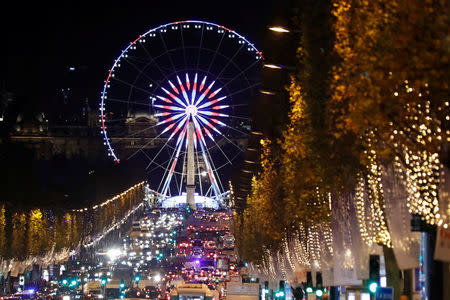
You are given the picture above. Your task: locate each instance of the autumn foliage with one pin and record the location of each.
(371, 87)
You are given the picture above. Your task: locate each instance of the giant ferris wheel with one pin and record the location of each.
(177, 98)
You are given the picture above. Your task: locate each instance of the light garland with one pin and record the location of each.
(301, 248)
(371, 218)
(114, 226)
(287, 253)
(328, 237)
(421, 172)
(361, 212)
(138, 185)
(314, 246)
(282, 265)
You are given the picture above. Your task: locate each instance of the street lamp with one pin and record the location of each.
(279, 29)
(272, 66)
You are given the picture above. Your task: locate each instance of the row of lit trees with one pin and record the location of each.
(370, 91)
(37, 232)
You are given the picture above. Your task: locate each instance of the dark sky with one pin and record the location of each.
(43, 39)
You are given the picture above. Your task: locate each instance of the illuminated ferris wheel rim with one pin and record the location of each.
(124, 53)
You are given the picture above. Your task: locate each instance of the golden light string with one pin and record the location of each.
(110, 200)
(375, 192)
(360, 211)
(287, 252)
(423, 169)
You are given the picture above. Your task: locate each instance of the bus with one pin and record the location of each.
(191, 291)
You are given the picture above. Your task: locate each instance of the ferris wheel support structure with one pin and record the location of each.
(190, 177)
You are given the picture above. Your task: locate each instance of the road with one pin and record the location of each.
(164, 252)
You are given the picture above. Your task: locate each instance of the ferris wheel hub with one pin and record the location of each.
(191, 110)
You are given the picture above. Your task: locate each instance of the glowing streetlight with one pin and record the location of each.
(272, 66)
(278, 29)
(266, 92)
(114, 253)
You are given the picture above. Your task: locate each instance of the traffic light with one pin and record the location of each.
(319, 293)
(103, 281)
(64, 281)
(122, 285)
(280, 294)
(319, 285)
(73, 283)
(309, 284)
(373, 286)
(137, 278)
(374, 273)
(265, 290)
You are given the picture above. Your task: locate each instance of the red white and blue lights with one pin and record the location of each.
(194, 99)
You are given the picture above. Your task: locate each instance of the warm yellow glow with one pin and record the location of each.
(271, 66)
(278, 29)
(112, 199)
(266, 92)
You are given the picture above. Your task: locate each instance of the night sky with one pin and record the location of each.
(43, 40)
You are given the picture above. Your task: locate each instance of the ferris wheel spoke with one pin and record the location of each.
(237, 117)
(213, 168)
(241, 72)
(244, 89)
(114, 120)
(182, 173)
(232, 128)
(215, 52)
(225, 164)
(132, 85)
(158, 166)
(128, 102)
(199, 48)
(229, 161)
(145, 145)
(160, 150)
(208, 124)
(182, 43)
(141, 71)
(172, 168)
(231, 142)
(140, 131)
(176, 181)
(167, 51)
(230, 60)
(153, 60)
(227, 58)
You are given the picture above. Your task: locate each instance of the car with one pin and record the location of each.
(151, 292)
(210, 245)
(196, 251)
(197, 243)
